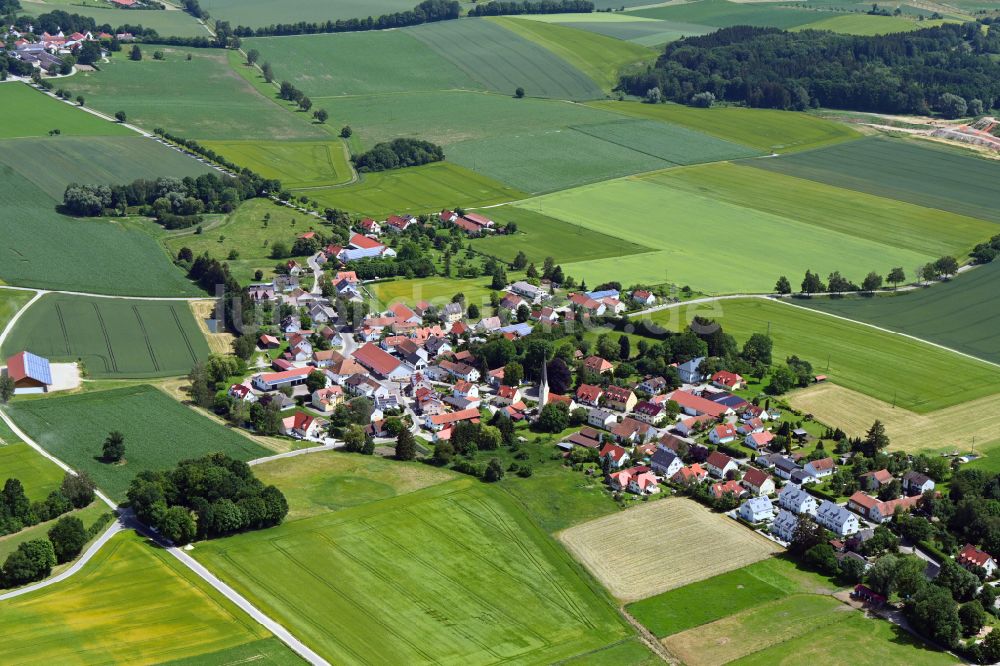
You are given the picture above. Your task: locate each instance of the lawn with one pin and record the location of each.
(921, 173)
(200, 98)
(452, 573)
(962, 314)
(891, 368)
(260, 13)
(53, 163)
(415, 190)
(330, 481)
(294, 163)
(689, 543)
(685, 228)
(98, 256)
(539, 236)
(245, 232)
(867, 24)
(37, 474)
(28, 112)
(598, 56)
(159, 432)
(438, 290)
(888, 222)
(166, 23)
(115, 338)
(131, 603)
(763, 129)
(722, 14)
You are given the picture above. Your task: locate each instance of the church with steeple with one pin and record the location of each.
(543, 387)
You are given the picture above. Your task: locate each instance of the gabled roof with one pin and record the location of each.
(756, 477)
(718, 460)
(698, 404)
(614, 451)
(617, 393)
(376, 360)
(972, 555)
(588, 392)
(364, 243)
(25, 365)
(822, 464)
(455, 417)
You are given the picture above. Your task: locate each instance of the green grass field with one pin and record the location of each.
(201, 98)
(159, 432)
(598, 56)
(263, 652)
(961, 313)
(245, 232)
(630, 652)
(764, 129)
(652, 213)
(721, 14)
(259, 13)
(294, 163)
(434, 289)
(97, 256)
(53, 163)
(414, 190)
(88, 515)
(866, 24)
(12, 300)
(455, 572)
(29, 113)
(114, 337)
(920, 173)
(889, 367)
(132, 603)
(37, 474)
(632, 28)
(166, 23)
(885, 221)
(539, 237)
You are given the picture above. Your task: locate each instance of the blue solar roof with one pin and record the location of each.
(37, 368)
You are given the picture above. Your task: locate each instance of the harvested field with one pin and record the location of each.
(218, 343)
(952, 428)
(685, 540)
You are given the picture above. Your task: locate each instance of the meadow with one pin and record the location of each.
(888, 222)
(889, 367)
(115, 338)
(539, 236)
(925, 174)
(132, 603)
(166, 23)
(245, 232)
(12, 300)
(37, 474)
(53, 163)
(28, 112)
(690, 543)
(866, 24)
(651, 212)
(438, 290)
(130, 262)
(415, 190)
(89, 515)
(625, 27)
(200, 98)
(961, 314)
(764, 129)
(600, 57)
(159, 432)
(417, 579)
(259, 13)
(294, 163)
(722, 13)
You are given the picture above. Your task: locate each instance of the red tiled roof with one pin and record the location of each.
(375, 359)
(699, 404)
(588, 393)
(756, 477)
(972, 555)
(364, 243)
(719, 460)
(454, 417)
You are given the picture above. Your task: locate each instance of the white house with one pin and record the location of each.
(758, 482)
(784, 525)
(722, 434)
(757, 510)
(915, 483)
(793, 498)
(601, 418)
(821, 468)
(690, 372)
(665, 462)
(837, 519)
(719, 464)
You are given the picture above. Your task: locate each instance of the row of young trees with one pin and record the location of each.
(514, 7)
(836, 283)
(912, 72)
(428, 11)
(18, 512)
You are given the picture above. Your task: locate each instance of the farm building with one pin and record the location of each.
(31, 374)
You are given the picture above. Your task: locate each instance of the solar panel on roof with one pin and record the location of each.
(37, 368)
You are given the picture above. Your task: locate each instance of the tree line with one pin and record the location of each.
(836, 283)
(56, 20)
(205, 498)
(397, 154)
(427, 11)
(914, 72)
(513, 7)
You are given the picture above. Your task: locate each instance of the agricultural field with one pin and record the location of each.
(539, 237)
(415, 190)
(722, 14)
(54, 163)
(436, 290)
(888, 367)
(12, 300)
(294, 163)
(925, 174)
(961, 314)
(30, 113)
(130, 262)
(690, 543)
(455, 572)
(764, 129)
(888, 222)
(131, 603)
(259, 13)
(200, 98)
(246, 232)
(159, 432)
(115, 338)
(90, 515)
(166, 23)
(600, 57)
(866, 24)
(37, 474)
(954, 428)
(649, 211)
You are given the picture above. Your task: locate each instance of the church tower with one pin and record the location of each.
(543, 387)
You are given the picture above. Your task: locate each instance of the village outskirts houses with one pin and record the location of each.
(795, 499)
(757, 510)
(837, 519)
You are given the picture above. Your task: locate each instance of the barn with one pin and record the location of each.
(31, 374)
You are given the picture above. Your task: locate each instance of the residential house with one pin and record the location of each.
(971, 557)
(363, 385)
(649, 412)
(643, 297)
(588, 305)
(339, 370)
(727, 380)
(616, 455)
(757, 510)
(370, 227)
(694, 473)
(675, 443)
(507, 395)
(872, 481)
(327, 399)
(722, 434)
(795, 499)
(751, 426)
(601, 418)
(695, 424)
(784, 525)
(666, 462)
(398, 224)
(878, 511)
(783, 467)
(837, 519)
(821, 468)
(588, 394)
(632, 431)
(619, 398)
(750, 412)
(638, 480)
(586, 437)
(723, 488)
(597, 365)
(652, 385)
(512, 302)
(690, 371)
(241, 392)
(261, 293)
(460, 370)
(302, 425)
(439, 422)
(916, 483)
(403, 313)
(758, 482)
(719, 465)
(758, 440)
